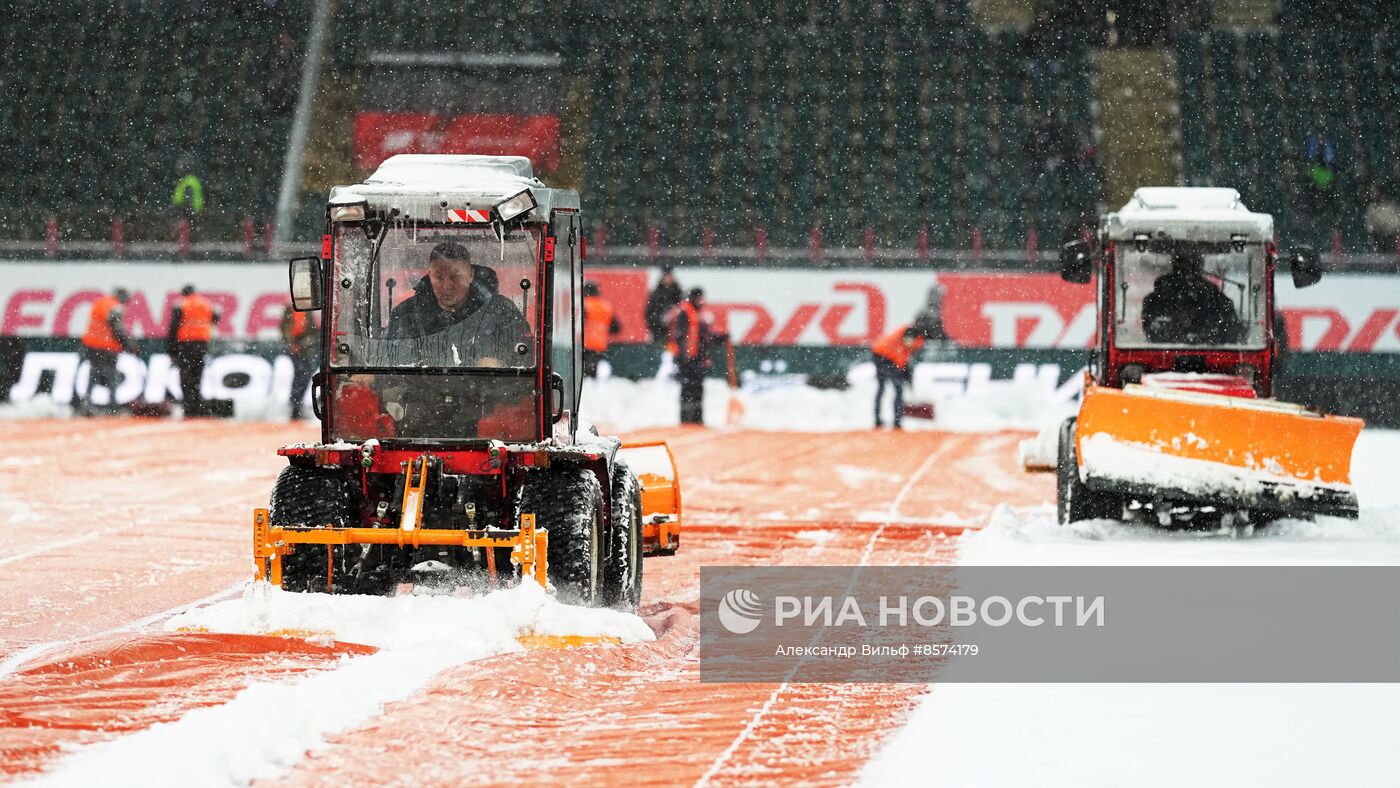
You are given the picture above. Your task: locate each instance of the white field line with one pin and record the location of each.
(757, 718)
(218, 505)
(51, 546)
(22, 657)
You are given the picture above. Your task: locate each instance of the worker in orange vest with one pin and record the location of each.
(299, 335)
(692, 336)
(893, 354)
(191, 327)
(599, 327)
(104, 339)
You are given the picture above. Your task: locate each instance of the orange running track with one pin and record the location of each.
(110, 524)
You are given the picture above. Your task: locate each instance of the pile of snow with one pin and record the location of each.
(788, 403)
(1165, 734)
(1147, 735)
(1043, 451)
(412, 621)
(1033, 537)
(268, 727)
(1105, 457)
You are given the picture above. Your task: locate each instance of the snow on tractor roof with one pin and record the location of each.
(444, 172)
(423, 187)
(1188, 213)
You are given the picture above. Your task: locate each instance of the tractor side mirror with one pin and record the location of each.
(1076, 262)
(306, 279)
(1306, 266)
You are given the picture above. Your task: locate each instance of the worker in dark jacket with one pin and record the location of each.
(894, 354)
(1184, 308)
(692, 336)
(104, 339)
(660, 303)
(192, 324)
(459, 313)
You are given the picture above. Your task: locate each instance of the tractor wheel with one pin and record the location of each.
(309, 496)
(622, 574)
(569, 503)
(1073, 500)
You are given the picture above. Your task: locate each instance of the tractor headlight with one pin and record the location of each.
(348, 211)
(515, 205)
(1131, 373)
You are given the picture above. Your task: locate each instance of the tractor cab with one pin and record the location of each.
(451, 287)
(450, 450)
(1185, 286)
(1177, 419)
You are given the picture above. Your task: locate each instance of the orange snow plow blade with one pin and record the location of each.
(656, 469)
(1216, 449)
(555, 642)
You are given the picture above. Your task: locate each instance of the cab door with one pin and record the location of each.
(566, 329)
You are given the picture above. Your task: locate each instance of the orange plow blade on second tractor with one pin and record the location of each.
(1207, 448)
(656, 469)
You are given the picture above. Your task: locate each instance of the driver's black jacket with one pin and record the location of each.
(1186, 309)
(486, 325)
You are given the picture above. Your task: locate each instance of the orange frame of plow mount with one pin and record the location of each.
(661, 504)
(529, 545)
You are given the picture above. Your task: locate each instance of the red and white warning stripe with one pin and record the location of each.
(473, 217)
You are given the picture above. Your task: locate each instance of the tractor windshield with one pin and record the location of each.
(1190, 294)
(410, 296)
(412, 306)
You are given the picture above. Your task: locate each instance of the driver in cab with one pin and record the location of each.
(1185, 308)
(456, 317)
(461, 302)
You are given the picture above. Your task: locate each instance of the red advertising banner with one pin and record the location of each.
(379, 135)
(1356, 313)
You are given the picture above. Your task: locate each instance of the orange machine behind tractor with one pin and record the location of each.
(451, 451)
(1176, 419)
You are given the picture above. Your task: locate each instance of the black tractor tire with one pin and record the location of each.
(622, 575)
(309, 496)
(568, 502)
(1073, 500)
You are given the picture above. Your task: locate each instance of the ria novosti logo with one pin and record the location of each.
(740, 611)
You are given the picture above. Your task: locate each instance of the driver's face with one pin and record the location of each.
(452, 280)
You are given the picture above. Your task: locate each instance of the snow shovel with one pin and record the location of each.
(734, 416)
(918, 410)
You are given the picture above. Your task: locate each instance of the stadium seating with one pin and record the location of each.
(702, 114)
(1249, 100)
(888, 117)
(849, 127)
(103, 106)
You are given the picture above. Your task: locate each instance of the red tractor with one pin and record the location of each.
(1177, 418)
(451, 450)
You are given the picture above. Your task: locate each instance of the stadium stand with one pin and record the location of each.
(105, 105)
(891, 128)
(1251, 97)
(706, 114)
(702, 119)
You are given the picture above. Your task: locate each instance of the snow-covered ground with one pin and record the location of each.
(768, 402)
(268, 727)
(961, 734)
(780, 403)
(1167, 734)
